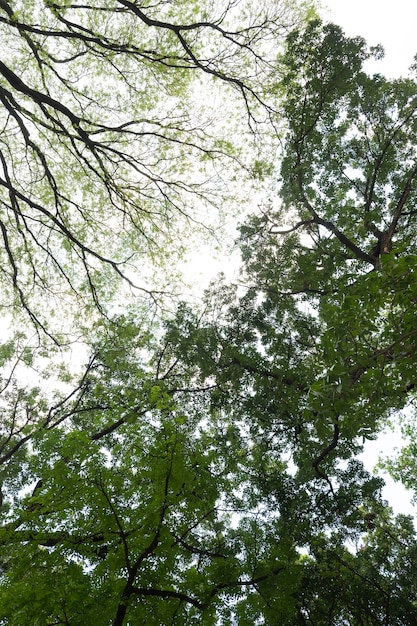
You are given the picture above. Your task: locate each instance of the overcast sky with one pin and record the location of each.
(392, 24)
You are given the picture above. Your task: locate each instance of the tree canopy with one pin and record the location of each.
(202, 467)
(108, 150)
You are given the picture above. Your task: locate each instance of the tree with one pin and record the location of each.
(344, 267)
(204, 471)
(119, 510)
(108, 152)
(312, 353)
(360, 588)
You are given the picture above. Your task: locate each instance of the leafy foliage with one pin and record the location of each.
(203, 470)
(108, 152)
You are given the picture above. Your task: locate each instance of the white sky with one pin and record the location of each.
(394, 25)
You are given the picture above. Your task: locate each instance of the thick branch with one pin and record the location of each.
(167, 593)
(324, 453)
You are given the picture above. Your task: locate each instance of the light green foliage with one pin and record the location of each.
(403, 466)
(111, 158)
